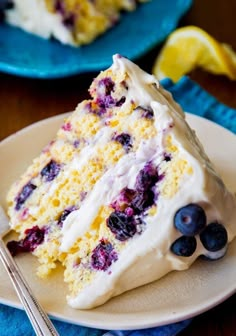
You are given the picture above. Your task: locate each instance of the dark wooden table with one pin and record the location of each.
(24, 101)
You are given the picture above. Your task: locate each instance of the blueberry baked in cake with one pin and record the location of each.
(73, 22)
(123, 194)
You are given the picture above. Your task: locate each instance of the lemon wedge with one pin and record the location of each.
(190, 47)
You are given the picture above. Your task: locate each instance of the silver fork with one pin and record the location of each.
(40, 321)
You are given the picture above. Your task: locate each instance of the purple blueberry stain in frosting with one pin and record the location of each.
(125, 140)
(83, 195)
(24, 214)
(33, 238)
(24, 194)
(103, 255)
(50, 171)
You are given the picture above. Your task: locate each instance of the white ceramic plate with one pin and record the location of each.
(175, 297)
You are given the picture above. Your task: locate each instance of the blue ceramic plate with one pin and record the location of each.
(26, 55)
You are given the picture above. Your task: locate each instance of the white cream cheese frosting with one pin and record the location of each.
(147, 256)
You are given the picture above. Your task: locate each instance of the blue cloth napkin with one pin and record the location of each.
(195, 100)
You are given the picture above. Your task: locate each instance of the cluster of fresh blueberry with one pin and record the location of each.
(33, 238)
(104, 99)
(191, 221)
(125, 221)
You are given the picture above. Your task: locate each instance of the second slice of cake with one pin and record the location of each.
(124, 194)
(73, 22)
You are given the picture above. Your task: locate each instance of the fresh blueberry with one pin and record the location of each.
(214, 237)
(103, 256)
(122, 225)
(215, 255)
(184, 246)
(24, 195)
(50, 171)
(33, 238)
(125, 140)
(190, 220)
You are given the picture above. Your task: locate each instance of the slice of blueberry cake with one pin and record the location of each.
(124, 193)
(73, 22)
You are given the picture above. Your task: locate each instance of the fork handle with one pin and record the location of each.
(40, 321)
